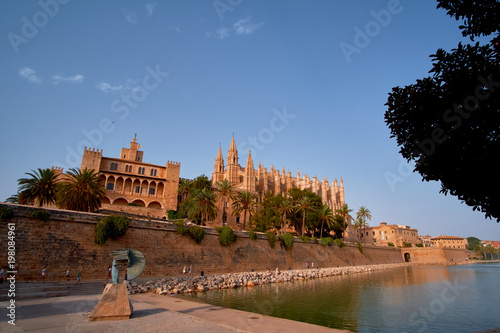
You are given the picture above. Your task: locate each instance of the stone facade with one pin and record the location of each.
(66, 240)
(130, 182)
(261, 180)
(384, 234)
(452, 242)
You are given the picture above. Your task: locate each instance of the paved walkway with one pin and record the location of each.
(152, 313)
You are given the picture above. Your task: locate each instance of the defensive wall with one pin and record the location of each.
(66, 240)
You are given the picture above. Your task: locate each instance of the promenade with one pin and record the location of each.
(152, 313)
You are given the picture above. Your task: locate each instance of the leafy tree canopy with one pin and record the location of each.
(447, 123)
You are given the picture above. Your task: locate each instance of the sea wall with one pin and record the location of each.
(66, 240)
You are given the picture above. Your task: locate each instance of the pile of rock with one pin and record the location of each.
(188, 284)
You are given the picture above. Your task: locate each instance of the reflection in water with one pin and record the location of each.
(412, 299)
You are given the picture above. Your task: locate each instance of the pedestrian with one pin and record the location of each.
(67, 275)
(312, 264)
(307, 266)
(184, 270)
(190, 269)
(109, 273)
(2, 272)
(78, 278)
(44, 273)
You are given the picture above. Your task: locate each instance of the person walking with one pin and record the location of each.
(190, 269)
(184, 271)
(108, 277)
(2, 273)
(67, 275)
(307, 266)
(44, 273)
(78, 278)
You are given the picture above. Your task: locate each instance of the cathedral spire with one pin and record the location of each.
(232, 153)
(249, 160)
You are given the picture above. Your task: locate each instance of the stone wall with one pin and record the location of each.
(66, 240)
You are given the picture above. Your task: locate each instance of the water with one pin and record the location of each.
(409, 299)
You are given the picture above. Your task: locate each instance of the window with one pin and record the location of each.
(153, 172)
(124, 156)
(138, 158)
(137, 189)
(141, 170)
(114, 166)
(110, 186)
(151, 191)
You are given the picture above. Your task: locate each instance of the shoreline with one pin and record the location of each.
(188, 284)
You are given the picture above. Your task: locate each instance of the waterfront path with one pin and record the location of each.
(152, 313)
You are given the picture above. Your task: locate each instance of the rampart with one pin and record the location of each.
(66, 240)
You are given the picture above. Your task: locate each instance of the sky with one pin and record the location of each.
(302, 84)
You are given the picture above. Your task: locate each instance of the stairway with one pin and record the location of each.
(30, 290)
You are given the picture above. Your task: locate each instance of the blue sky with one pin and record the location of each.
(301, 83)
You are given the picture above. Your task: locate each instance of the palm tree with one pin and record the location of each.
(305, 204)
(225, 191)
(360, 223)
(344, 212)
(80, 190)
(325, 214)
(15, 199)
(39, 189)
(243, 202)
(185, 187)
(365, 214)
(204, 204)
(285, 206)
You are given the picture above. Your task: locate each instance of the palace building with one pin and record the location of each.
(133, 186)
(261, 180)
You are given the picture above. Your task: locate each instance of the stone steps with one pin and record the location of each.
(33, 290)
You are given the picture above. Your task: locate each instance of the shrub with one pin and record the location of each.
(172, 214)
(327, 241)
(287, 240)
(227, 236)
(305, 239)
(133, 204)
(271, 238)
(252, 235)
(197, 233)
(390, 244)
(112, 226)
(315, 240)
(181, 228)
(419, 245)
(360, 247)
(340, 242)
(40, 215)
(6, 214)
(406, 244)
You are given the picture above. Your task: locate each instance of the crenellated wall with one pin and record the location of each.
(66, 240)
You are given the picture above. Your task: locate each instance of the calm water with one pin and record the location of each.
(411, 299)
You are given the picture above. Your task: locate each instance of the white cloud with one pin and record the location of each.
(222, 33)
(29, 74)
(105, 87)
(241, 27)
(56, 79)
(150, 8)
(130, 16)
(245, 27)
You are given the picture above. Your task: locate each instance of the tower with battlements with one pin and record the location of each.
(133, 186)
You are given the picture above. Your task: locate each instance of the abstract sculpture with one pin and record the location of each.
(114, 302)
